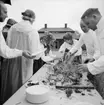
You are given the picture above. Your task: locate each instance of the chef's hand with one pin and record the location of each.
(82, 68)
(69, 55)
(28, 55)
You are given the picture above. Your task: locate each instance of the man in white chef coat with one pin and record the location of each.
(93, 18)
(90, 40)
(5, 51)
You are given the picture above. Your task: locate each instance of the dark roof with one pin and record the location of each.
(6, 1)
(56, 30)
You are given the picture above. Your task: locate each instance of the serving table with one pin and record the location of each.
(57, 97)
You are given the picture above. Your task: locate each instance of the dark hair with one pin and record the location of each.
(68, 36)
(10, 22)
(90, 12)
(48, 38)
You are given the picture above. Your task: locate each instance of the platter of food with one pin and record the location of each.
(64, 75)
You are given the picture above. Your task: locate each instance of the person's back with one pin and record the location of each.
(23, 36)
(100, 35)
(19, 38)
(18, 35)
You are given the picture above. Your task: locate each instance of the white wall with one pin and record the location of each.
(54, 12)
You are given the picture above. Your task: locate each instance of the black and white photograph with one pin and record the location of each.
(51, 52)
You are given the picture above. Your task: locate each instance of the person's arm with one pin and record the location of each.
(79, 51)
(7, 52)
(96, 48)
(35, 44)
(34, 41)
(41, 55)
(77, 45)
(97, 66)
(62, 48)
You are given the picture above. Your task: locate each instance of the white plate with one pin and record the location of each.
(47, 59)
(34, 54)
(83, 103)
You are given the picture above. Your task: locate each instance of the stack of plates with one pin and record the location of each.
(37, 94)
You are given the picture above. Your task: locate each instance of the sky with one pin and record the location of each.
(54, 12)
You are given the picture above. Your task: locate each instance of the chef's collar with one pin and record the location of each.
(100, 24)
(90, 31)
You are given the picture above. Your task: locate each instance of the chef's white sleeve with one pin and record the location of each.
(77, 45)
(96, 47)
(97, 66)
(7, 52)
